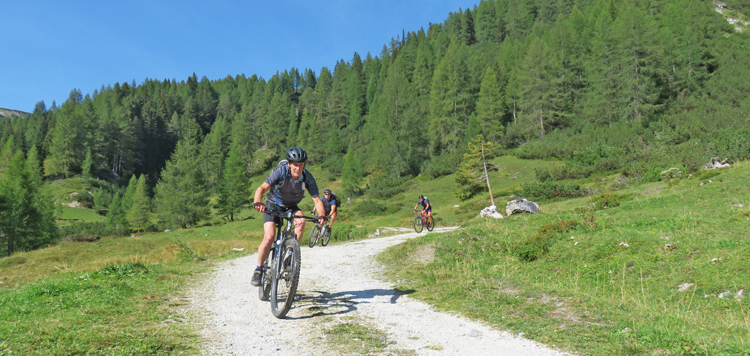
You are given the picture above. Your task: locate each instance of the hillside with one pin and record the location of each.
(10, 114)
(637, 268)
(140, 186)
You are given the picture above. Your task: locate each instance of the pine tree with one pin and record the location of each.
(26, 217)
(34, 166)
(541, 90)
(87, 163)
(234, 190)
(351, 174)
(115, 213)
(64, 149)
(127, 199)
(180, 197)
(450, 104)
(396, 117)
(490, 106)
(7, 153)
(212, 152)
(138, 216)
(473, 175)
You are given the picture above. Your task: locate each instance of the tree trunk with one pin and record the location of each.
(487, 176)
(541, 123)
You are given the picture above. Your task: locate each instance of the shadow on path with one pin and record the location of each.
(319, 303)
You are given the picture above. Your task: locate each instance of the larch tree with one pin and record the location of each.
(541, 90)
(139, 214)
(473, 174)
(234, 188)
(26, 218)
(181, 198)
(491, 105)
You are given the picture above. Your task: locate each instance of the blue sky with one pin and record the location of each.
(51, 47)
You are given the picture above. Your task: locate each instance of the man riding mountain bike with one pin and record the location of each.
(285, 187)
(330, 203)
(425, 203)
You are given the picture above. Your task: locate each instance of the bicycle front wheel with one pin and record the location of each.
(418, 224)
(314, 232)
(285, 278)
(430, 224)
(326, 236)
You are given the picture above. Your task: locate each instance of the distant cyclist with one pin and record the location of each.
(330, 202)
(425, 203)
(286, 187)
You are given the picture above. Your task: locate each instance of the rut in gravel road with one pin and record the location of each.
(338, 283)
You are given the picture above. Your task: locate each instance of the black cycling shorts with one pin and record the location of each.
(270, 218)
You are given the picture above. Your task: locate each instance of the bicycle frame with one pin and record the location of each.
(281, 267)
(317, 233)
(424, 221)
(281, 235)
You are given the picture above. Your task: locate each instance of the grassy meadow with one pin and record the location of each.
(661, 269)
(632, 269)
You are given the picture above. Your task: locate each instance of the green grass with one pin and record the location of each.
(116, 296)
(589, 293)
(97, 313)
(355, 338)
(68, 215)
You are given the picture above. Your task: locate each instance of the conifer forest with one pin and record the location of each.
(634, 86)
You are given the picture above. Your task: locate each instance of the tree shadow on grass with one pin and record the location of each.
(318, 303)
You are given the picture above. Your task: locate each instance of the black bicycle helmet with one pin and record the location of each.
(421, 197)
(327, 191)
(296, 155)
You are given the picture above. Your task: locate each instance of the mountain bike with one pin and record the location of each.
(320, 233)
(281, 269)
(421, 221)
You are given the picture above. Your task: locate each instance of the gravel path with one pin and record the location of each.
(338, 283)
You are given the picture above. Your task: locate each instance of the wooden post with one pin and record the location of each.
(487, 176)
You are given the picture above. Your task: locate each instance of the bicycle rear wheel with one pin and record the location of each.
(264, 289)
(430, 223)
(314, 235)
(286, 278)
(326, 236)
(418, 224)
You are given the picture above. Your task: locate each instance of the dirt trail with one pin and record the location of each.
(338, 283)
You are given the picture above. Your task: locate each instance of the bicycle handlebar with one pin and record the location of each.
(288, 214)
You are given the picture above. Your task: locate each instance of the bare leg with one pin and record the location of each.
(269, 230)
(299, 225)
(333, 217)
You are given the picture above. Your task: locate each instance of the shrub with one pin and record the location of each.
(362, 207)
(88, 230)
(125, 270)
(538, 245)
(609, 200)
(344, 232)
(533, 248)
(568, 171)
(444, 165)
(551, 189)
(387, 187)
(705, 174)
(85, 199)
(542, 174)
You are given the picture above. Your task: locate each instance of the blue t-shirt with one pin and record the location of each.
(424, 203)
(287, 192)
(329, 204)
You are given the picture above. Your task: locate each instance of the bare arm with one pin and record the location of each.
(265, 187)
(319, 205)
